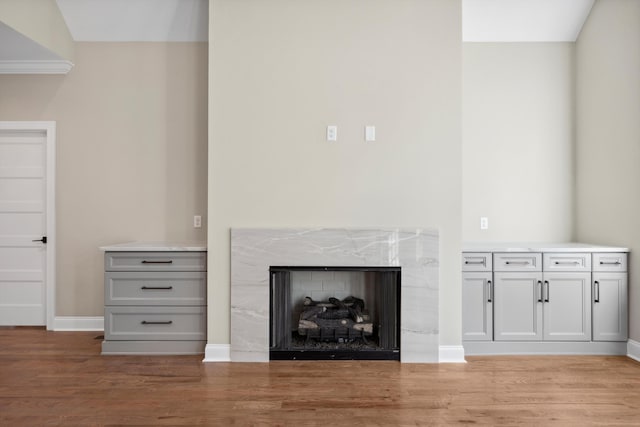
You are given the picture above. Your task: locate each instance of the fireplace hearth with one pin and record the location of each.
(327, 313)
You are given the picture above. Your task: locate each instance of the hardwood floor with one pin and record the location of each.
(59, 378)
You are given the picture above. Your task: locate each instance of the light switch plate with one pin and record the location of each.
(332, 133)
(370, 133)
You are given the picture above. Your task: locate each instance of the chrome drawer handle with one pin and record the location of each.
(517, 262)
(596, 297)
(168, 322)
(567, 262)
(474, 262)
(164, 288)
(157, 262)
(610, 263)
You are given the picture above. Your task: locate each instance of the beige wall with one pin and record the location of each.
(41, 21)
(131, 159)
(281, 72)
(517, 156)
(608, 135)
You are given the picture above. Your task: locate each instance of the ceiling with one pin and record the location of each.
(523, 20)
(187, 21)
(15, 46)
(136, 20)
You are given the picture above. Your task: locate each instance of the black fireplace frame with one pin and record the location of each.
(280, 347)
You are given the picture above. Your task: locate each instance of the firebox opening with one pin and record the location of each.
(325, 313)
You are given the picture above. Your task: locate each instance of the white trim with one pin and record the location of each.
(51, 222)
(451, 354)
(54, 66)
(78, 323)
(633, 350)
(217, 353)
(49, 127)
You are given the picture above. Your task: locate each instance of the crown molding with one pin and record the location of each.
(52, 66)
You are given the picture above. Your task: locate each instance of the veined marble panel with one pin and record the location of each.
(254, 250)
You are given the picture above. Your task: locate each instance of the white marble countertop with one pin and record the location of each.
(156, 247)
(537, 247)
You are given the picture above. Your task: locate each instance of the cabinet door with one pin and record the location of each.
(517, 306)
(477, 307)
(609, 306)
(567, 306)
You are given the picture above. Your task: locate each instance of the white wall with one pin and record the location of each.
(131, 153)
(281, 71)
(517, 157)
(608, 135)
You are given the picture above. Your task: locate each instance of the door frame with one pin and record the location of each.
(49, 128)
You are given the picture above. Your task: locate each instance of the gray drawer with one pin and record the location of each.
(566, 261)
(155, 261)
(614, 261)
(155, 288)
(517, 261)
(476, 261)
(155, 323)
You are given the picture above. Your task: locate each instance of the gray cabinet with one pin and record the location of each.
(544, 302)
(542, 306)
(566, 306)
(477, 303)
(155, 302)
(610, 303)
(551, 304)
(517, 307)
(477, 296)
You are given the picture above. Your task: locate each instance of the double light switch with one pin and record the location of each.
(369, 133)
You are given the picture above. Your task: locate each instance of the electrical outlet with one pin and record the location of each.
(484, 223)
(197, 221)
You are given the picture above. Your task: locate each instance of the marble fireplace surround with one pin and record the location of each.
(254, 250)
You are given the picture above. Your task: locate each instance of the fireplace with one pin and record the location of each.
(334, 312)
(255, 250)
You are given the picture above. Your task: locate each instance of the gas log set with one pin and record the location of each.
(335, 320)
(363, 326)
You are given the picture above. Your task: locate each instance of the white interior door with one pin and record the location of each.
(24, 191)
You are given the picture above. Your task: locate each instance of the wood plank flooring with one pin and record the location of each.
(60, 378)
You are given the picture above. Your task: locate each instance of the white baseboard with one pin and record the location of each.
(78, 323)
(633, 350)
(451, 354)
(217, 353)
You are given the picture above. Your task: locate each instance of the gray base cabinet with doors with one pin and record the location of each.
(522, 302)
(155, 302)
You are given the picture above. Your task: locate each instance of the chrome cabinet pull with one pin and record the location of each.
(610, 263)
(168, 322)
(596, 297)
(517, 262)
(567, 262)
(540, 285)
(546, 282)
(490, 291)
(145, 261)
(164, 288)
(474, 262)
